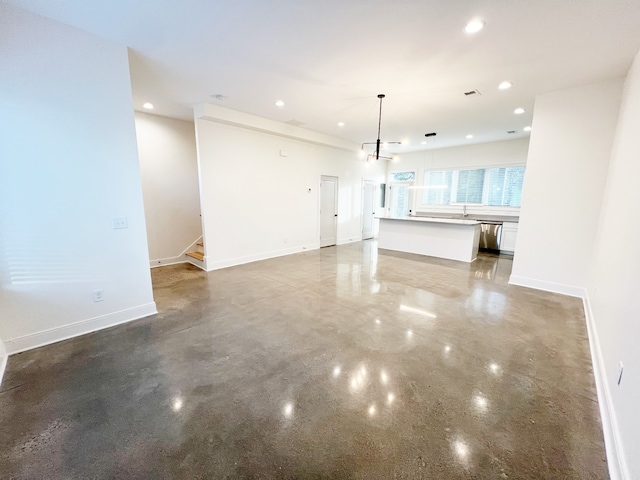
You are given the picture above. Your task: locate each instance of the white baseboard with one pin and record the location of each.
(162, 262)
(216, 265)
(616, 459)
(3, 360)
(46, 337)
(210, 265)
(344, 241)
(561, 288)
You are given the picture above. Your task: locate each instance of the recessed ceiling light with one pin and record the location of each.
(474, 26)
(469, 136)
(527, 129)
(279, 103)
(341, 124)
(148, 106)
(519, 111)
(505, 85)
(423, 143)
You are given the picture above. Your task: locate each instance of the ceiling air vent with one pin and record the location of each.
(472, 92)
(295, 123)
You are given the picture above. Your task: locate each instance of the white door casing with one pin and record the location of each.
(328, 210)
(368, 208)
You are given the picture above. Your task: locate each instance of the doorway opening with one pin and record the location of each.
(368, 208)
(401, 197)
(328, 210)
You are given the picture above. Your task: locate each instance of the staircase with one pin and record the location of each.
(197, 257)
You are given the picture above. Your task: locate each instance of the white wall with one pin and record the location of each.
(614, 280)
(255, 178)
(169, 174)
(571, 139)
(68, 164)
(480, 155)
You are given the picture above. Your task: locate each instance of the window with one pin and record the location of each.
(399, 200)
(437, 188)
(401, 196)
(403, 176)
(470, 184)
(505, 186)
(482, 186)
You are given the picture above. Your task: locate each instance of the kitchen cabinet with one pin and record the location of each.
(451, 238)
(508, 240)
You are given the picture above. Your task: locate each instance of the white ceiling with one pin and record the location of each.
(327, 60)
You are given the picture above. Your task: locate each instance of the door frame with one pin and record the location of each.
(337, 180)
(410, 199)
(372, 182)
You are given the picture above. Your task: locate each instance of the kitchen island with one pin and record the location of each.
(450, 238)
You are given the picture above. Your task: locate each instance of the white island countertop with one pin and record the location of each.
(455, 221)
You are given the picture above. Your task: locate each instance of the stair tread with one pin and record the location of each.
(196, 255)
(200, 244)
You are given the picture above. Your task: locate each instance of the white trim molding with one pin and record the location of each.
(182, 258)
(614, 449)
(216, 265)
(46, 337)
(227, 116)
(3, 360)
(552, 287)
(345, 241)
(616, 459)
(163, 262)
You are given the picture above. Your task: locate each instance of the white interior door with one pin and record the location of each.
(400, 199)
(368, 208)
(328, 210)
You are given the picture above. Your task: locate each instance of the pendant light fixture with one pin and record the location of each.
(376, 154)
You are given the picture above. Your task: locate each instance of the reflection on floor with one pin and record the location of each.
(338, 363)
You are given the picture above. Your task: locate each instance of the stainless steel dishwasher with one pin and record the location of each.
(490, 234)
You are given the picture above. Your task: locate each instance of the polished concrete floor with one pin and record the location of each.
(343, 363)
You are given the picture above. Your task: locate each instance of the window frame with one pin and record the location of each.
(484, 205)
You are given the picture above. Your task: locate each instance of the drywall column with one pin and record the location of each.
(614, 282)
(169, 172)
(73, 248)
(571, 139)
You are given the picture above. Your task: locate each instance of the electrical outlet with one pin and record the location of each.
(620, 370)
(119, 222)
(98, 295)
